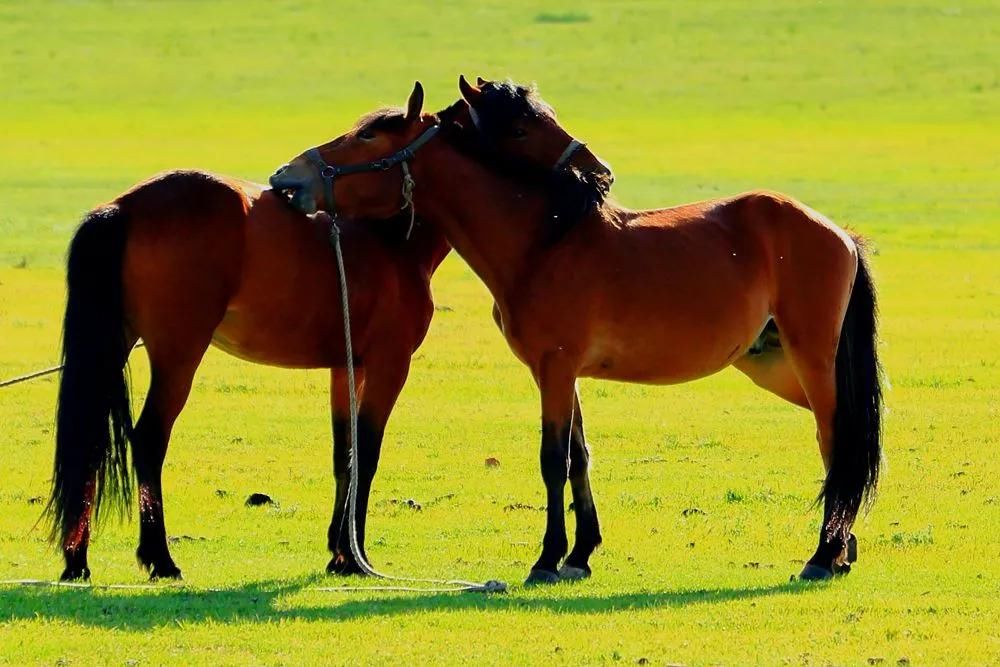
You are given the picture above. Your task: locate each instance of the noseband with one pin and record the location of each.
(571, 148)
(329, 172)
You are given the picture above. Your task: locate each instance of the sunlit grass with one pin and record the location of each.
(884, 116)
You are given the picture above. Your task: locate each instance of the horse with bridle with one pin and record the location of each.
(190, 259)
(757, 281)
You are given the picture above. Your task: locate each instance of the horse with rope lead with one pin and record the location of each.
(190, 259)
(757, 281)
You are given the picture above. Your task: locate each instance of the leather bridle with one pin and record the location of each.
(328, 173)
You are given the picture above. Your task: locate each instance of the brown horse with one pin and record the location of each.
(757, 281)
(187, 260)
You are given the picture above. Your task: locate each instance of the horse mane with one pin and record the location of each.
(503, 102)
(572, 194)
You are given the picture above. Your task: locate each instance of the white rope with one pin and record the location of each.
(30, 376)
(37, 374)
(491, 586)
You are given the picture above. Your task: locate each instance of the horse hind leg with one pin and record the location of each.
(168, 392)
(180, 272)
(177, 334)
(811, 354)
(771, 370)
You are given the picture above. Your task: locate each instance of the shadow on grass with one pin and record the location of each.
(262, 602)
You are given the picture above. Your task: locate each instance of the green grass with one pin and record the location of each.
(884, 116)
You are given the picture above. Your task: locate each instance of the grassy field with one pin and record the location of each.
(883, 115)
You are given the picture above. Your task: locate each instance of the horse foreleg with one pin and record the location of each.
(336, 539)
(557, 382)
(385, 375)
(588, 530)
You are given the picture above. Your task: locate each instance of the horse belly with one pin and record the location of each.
(675, 344)
(284, 314)
(270, 336)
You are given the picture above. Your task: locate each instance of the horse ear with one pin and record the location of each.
(480, 81)
(469, 92)
(416, 102)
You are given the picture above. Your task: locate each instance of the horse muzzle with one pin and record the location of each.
(295, 190)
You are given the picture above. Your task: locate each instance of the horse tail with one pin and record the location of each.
(93, 416)
(857, 422)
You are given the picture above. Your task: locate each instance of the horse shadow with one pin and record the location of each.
(268, 601)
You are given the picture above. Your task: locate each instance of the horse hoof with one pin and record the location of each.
(573, 573)
(75, 574)
(538, 577)
(815, 573)
(165, 571)
(343, 567)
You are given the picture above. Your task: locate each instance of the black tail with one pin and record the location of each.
(857, 422)
(93, 418)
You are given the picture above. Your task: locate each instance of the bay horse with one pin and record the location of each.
(189, 259)
(758, 281)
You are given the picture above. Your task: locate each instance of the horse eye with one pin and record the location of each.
(366, 135)
(519, 133)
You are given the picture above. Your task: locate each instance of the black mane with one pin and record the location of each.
(503, 102)
(572, 194)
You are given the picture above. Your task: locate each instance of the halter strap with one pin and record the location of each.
(329, 172)
(571, 148)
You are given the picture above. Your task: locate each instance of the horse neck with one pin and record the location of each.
(492, 222)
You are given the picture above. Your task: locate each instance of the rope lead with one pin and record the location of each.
(408, 185)
(492, 586)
